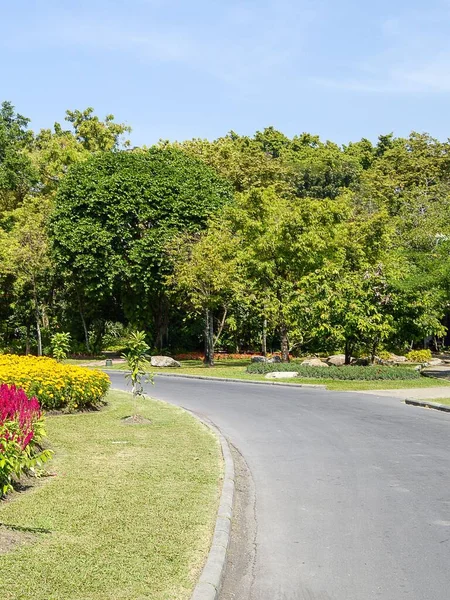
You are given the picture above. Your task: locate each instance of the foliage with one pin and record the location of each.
(60, 345)
(342, 373)
(159, 485)
(21, 434)
(137, 361)
(55, 385)
(419, 356)
(17, 175)
(114, 215)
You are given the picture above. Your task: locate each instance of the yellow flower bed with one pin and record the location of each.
(55, 385)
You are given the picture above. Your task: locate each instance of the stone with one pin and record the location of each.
(259, 359)
(281, 375)
(434, 362)
(397, 359)
(274, 359)
(314, 362)
(164, 361)
(336, 360)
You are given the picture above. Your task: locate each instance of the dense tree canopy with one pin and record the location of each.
(299, 241)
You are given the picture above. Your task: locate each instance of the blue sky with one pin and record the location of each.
(177, 69)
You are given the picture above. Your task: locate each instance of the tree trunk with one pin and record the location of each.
(38, 330)
(264, 338)
(284, 344)
(348, 352)
(83, 322)
(209, 339)
(162, 322)
(373, 352)
(38, 320)
(27, 340)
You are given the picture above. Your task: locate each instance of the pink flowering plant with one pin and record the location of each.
(21, 435)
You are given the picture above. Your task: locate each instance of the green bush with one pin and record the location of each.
(419, 356)
(371, 373)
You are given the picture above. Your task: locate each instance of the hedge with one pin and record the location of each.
(348, 372)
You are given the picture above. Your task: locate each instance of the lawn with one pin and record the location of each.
(236, 369)
(129, 514)
(438, 400)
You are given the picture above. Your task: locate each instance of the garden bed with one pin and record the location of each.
(347, 373)
(129, 514)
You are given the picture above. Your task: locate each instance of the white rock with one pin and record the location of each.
(336, 360)
(281, 375)
(164, 361)
(314, 362)
(434, 362)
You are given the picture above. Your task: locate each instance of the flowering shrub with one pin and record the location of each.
(220, 356)
(55, 385)
(21, 433)
(419, 356)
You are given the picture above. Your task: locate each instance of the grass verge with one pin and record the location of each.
(236, 369)
(129, 515)
(438, 400)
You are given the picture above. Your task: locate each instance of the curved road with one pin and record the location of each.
(352, 491)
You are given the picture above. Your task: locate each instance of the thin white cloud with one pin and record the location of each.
(414, 57)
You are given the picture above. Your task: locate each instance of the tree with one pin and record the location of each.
(24, 253)
(205, 273)
(279, 240)
(17, 175)
(96, 135)
(115, 214)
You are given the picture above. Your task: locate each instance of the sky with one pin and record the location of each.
(179, 69)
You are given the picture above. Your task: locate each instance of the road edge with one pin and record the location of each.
(425, 404)
(210, 580)
(233, 380)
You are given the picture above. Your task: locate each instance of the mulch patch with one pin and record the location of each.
(136, 420)
(10, 538)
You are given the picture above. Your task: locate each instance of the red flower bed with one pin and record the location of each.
(21, 432)
(221, 356)
(16, 407)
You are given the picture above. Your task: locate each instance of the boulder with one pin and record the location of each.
(274, 359)
(314, 362)
(434, 362)
(336, 360)
(164, 361)
(397, 359)
(281, 375)
(259, 359)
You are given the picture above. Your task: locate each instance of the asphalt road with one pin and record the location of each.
(352, 491)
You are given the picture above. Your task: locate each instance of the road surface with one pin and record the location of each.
(352, 492)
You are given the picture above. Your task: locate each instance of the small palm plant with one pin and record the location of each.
(137, 359)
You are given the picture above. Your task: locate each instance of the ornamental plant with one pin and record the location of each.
(56, 386)
(419, 356)
(21, 434)
(60, 345)
(137, 359)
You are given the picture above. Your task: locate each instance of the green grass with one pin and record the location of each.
(236, 369)
(438, 400)
(129, 515)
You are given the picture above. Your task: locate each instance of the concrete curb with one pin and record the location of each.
(425, 404)
(181, 376)
(210, 581)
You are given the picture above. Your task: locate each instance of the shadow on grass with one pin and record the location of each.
(21, 529)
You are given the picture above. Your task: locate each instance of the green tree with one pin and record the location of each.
(24, 253)
(115, 214)
(17, 175)
(280, 240)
